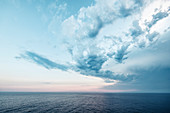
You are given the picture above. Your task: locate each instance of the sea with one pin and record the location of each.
(34, 102)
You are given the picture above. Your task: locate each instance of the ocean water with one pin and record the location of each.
(84, 103)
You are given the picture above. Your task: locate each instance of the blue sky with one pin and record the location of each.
(85, 45)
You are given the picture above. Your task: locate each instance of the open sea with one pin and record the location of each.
(84, 102)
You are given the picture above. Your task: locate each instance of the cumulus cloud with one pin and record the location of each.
(91, 50)
(155, 57)
(158, 16)
(91, 20)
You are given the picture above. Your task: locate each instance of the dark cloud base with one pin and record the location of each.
(89, 67)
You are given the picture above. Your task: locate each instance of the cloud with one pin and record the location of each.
(136, 30)
(92, 65)
(154, 80)
(31, 56)
(92, 19)
(146, 59)
(119, 57)
(91, 48)
(95, 30)
(158, 16)
(152, 35)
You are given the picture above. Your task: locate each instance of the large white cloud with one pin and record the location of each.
(109, 30)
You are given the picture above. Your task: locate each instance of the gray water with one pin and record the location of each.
(84, 102)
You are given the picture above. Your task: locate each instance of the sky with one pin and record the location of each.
(85, 46)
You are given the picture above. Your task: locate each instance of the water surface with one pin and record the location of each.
(84, 102)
